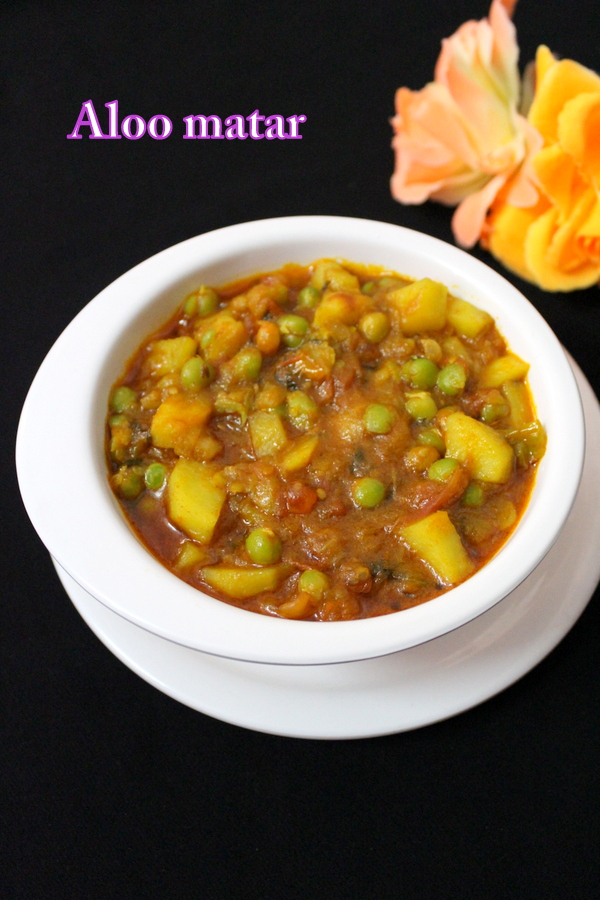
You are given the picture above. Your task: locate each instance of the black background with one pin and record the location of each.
(110, 789)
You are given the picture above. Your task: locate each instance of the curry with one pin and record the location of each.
(324, 442)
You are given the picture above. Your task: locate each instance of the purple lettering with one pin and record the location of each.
(203, 123)
(254, 119)
(166, 127)
(275, 128)
(127, 127)
(160, 127)
(113, 120)
(88, 117)
(236, 128)
(294, 123)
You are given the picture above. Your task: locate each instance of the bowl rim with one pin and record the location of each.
(81, 524)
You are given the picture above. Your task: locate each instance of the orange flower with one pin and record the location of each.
(556, 243)
(460, 140)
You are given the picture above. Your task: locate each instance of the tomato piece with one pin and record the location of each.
(300, 498)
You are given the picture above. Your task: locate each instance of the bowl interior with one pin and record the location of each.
(80, 521)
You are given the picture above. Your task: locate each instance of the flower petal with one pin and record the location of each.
(506, 233)
(478, 67)
(432, 145)
(522, 188)
(468, 219)
(579, 133)
(506, 50)
(548, 247)
(557, 83)
(482, 54)
(544, 60)
(588, 236)
(433, 111)
(557, 177)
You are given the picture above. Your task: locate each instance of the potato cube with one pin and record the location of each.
(179, 422)
(169, 355)
(517, 395)
(422, 305)
(190, 555)
(453, 349)
(339, 309)
(221, 337)
(484, 452)
(207, 447)
(466, 319)
(241, 582)
(270, 396)
(299, 454)
(436, 541)
(505, 368)
(195, 498)
(328, 273)
(267, 433)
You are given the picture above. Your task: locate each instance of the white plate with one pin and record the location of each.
(394, 693)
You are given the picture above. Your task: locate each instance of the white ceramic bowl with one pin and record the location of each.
(62, 470)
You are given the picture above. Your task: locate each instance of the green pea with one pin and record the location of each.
(452, 379)
(293, 329)
(207, 338)
(421, 406)
(368, 492)
(123, 399)
(207, 301)
(190, 305)
(532, 444)
(368, 287)
(309, 297)
(302, 409)
(116, 421)
(432, 438)
(154, 476)
(378, 419)
(196, 373)
(280, 293)
(473, 496)
(129, 482)
(246, 364)
(263, 546)
(314, 582)
(442, 469)
(420, 372)
(493, 411)
(375, 326)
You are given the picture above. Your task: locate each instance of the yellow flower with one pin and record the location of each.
(556, 243)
